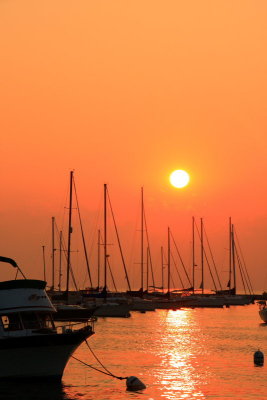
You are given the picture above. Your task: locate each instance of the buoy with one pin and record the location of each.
(258, 358)
(134, 383)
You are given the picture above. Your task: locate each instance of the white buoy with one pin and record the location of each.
(258, 358)
(134, 383)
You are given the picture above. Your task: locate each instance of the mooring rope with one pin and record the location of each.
(96, 369)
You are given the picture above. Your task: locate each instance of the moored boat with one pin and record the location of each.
(263, 310)
(31, 345)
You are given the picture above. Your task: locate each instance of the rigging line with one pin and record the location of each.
(240, 270)
(243, 259)
(150, 258)
(172, 281)
(110, 270)
(83, 238)
(93, 235)
(242, 273)
(112, 277)
(64, 251)
(151, 268)
(95, 227)
(171, 277)
(213, 261)
(117, 234)
(181, 259)
(177, 270)
(206, 258)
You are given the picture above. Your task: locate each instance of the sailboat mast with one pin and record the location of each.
(147, 267)
(169, 263)
(230, 254)
(60, 260)
(69, 234)
(53, 253)
(202, 254)
(142, 239)
(193, 253)
(98, 259)
(162, 269)
(105, 237)
(44, 263)
(233, 253)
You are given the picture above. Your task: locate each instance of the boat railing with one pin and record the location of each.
(72, 326)
(12, 330)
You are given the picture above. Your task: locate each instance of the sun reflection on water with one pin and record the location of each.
(180, 342)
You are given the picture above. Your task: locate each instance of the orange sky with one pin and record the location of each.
(124, 92)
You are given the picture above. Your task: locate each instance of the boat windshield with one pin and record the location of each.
(34, 320)
(26, 320)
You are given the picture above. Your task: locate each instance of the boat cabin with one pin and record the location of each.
(25, 308)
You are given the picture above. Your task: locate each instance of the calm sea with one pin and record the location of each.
(185, 354)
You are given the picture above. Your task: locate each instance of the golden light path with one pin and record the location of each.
(179, 178)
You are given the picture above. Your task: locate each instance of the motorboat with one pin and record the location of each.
(31, 345)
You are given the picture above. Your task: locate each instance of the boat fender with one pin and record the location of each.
(133, 383)
(258, 358)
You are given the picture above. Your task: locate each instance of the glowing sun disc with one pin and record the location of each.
(179, 178)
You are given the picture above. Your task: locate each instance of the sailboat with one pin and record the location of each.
(230, 296)
(67, 303)
(107, 305)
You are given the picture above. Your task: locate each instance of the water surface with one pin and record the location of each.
(184, 354)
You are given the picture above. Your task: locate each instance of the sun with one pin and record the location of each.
(179, 178)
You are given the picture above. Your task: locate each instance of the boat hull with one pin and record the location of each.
(112, 310)
(40, 356)
(263, 314)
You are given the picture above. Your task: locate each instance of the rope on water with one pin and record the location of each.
(99, 370)
(96, 369)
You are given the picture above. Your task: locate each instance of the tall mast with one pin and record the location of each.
(44, 263)
(202, 254)
(193, 253)
(53, 253)
(60, 260)
(142, 239)
(69, 234)
(162, 269)
(230, 254)
(233, 253)
(169, 263)
(147, 267)
(105, 237)
(98, 259)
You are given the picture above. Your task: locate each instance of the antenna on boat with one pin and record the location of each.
(13, 263)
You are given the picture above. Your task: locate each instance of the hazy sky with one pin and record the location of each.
(124, 92)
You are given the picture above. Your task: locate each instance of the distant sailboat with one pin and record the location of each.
(107, 305)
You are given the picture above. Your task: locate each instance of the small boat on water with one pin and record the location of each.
(31, 345)
(263, 310)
